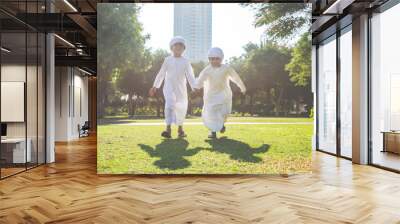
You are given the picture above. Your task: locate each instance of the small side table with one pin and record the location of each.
(14, 149)
(391, 141)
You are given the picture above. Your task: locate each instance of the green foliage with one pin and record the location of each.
(198, 67)
(282, 21)
(197, 111)
(299, 66)
(263, 71)
(120, 46)
(312, 112)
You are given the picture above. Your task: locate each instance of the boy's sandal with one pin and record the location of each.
(166, 134)
(223, 129)
(182, 134)
(213, 135)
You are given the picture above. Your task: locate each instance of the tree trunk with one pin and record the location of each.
(189, 112)
(128, 103)
(100, 111)
(251, 104)
(158, 107)
(102, 105)
(131, 111)
(133, 107)
(162, 107)
(242, 104)
(279, 102)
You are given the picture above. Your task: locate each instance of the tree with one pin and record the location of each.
(282, 21)
(195, 98)
(238, 63)
(299, 67)
(157, 59)
(266, 76)
(120, 46)
(131, 81)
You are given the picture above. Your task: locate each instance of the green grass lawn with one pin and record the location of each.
(243, 149)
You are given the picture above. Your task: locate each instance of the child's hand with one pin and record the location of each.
(152, 91)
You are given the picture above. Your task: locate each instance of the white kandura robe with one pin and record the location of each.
(217, 94)
(175, 72)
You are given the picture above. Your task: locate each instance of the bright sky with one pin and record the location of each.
(232, 26)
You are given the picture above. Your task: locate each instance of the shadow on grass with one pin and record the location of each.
(237, 150)
(171, 153)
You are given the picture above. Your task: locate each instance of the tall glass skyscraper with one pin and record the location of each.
(193, 21)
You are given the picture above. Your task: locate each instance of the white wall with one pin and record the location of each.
(80, 100)
(71, 94)
(62, 82)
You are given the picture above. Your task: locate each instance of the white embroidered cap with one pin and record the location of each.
(176, 40)
(216, 52)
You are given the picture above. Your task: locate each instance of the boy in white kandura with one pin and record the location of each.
(176, 71)
(217, 97)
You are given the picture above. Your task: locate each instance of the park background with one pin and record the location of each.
(269, 45)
